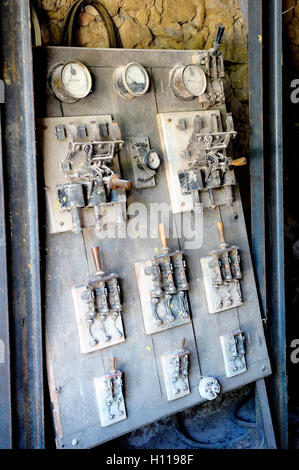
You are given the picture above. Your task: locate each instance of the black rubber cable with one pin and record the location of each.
(218, 445)
(67, 36)
(36, 30)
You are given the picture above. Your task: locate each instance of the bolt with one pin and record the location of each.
(264, 367)
(58, 389)
(75, 442)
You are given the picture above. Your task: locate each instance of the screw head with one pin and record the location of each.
(75, 442)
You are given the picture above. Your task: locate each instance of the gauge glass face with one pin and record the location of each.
(153, 160)
(136, 79)
(76, 79)
(195, 80)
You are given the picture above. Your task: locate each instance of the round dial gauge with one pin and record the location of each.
(70, 81)
(136, 79)
(187, 82)
(195, 80)
(76, 79)
(152, 160)
(131, 80)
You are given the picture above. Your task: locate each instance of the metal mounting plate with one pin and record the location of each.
(175, 140)
(228, 295)
(119, 412)
(233, 349)
(182, 385)
(145, 286)
(111, 326)
(54, 151)
(141, 178)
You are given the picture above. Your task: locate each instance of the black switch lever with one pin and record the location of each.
(220, 34)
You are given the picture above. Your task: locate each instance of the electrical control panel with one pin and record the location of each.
(134, 144)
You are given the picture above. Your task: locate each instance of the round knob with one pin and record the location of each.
(209, 388)
(152, 159)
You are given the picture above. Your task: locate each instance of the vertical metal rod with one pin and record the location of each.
(255, 59)
(273, 136)
(22, 221)
(5, 399)
(257, 188)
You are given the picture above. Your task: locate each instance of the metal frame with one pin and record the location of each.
(22, 225)
(265, 33)
(274, 215)
(5, 408)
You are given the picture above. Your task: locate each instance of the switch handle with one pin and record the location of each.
(220, 230)
(95, 251)
(220, 34)
(163, 238)
(182, 343)
(76, 220)
(112, 363)
(239, 162)
(116, 182)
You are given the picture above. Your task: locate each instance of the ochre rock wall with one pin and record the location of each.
(163, 24)
(291, 20)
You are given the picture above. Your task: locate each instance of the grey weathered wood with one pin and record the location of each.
(69, 263)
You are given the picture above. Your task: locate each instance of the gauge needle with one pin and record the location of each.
(73, 72)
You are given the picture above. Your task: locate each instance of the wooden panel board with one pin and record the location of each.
(69, 263)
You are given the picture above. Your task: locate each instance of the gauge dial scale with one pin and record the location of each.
(187, 82)
(70, 81)
(131, 80)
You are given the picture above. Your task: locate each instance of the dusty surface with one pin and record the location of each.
(173, 24)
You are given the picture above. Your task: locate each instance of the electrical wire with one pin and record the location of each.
(233, 416)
